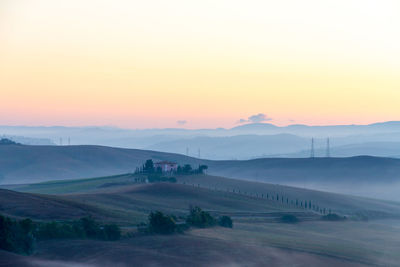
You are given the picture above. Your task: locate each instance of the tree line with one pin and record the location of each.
(186, 169)
(160, 223)
(278, 198)
(19, 236)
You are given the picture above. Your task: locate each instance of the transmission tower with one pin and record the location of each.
(328, 148)
(312, 154)
(60, 141)
(198, 153)
(187, 151)
(69, 141)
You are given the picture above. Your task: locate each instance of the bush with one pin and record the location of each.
(333, 217)
(91, 228)
(55, 230)
(16, 236)
(19, 236)
(200, 218)
(161, 224)
(289, 218)
(225, 221)
(86, 227)
(112, 232)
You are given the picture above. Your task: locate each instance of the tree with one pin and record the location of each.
(161, 224)
(225, 221)
(148, 166)
(199, 218)
(187, 169)
(16, 236)
(91, 227)
(202, 168)
(5, 141)
(112, 232)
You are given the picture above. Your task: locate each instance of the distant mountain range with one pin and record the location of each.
(242, 142)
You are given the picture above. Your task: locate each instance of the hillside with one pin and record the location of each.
(242, 142)
(237, 147)
(363, 175)
(27, 164)
(237, 197)
(161, 250)
(257, 233)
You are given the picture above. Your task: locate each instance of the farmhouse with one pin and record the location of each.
(166, 166)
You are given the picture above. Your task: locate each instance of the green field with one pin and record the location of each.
(121, 200)
(342, 204)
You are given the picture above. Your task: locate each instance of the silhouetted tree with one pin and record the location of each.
(148, 166)
(225, 221)
(161, 224)
(112, 232)
(199, 218)
(202, 168)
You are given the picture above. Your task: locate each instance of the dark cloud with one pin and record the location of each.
(260, 117)
(181, 122)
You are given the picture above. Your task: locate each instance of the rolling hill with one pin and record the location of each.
(115, 194)
(257, 233)
(27, 164)
(363, 175)
(238, 147)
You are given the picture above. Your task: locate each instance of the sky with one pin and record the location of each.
(198, 64)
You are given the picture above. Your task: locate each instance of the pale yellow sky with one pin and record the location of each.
(141, 64)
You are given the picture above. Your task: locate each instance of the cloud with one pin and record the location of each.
(257, 118)
(181, 122)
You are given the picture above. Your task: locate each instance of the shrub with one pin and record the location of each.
(16, 236)
(225, 221)
(289, 218)
(86, 227)
(200, 218)
(91, 228)
(6, 141)
(161, 224)
(112, 232)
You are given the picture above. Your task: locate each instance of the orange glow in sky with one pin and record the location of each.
(141, 64)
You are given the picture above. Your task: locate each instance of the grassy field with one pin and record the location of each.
(257, 236)
(74, 186)
(342, 204)
(177, 250)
